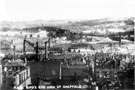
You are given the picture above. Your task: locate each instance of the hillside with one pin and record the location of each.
(60, 27)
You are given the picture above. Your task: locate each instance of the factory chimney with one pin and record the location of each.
(49, 44)
(60, 72)
(46, 51)
(95, 58)
(14, 49)
(128, 35)
(119, 39)
(24, 52)
(37, 51)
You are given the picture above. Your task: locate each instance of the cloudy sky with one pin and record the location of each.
(24, 10)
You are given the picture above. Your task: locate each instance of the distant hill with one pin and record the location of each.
(71, 25)
(20, 25)
(24, 24)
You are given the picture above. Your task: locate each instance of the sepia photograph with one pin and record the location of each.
(67, 45)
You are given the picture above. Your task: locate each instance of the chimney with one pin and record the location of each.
(95, 58)
(119, 39)
(60, 72)
(14, 49)
(128, 35)
(49, 44)
(24, 52)
(37, 51)
(46, 53)
(25, 61)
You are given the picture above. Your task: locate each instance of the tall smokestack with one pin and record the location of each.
(89, 63)
(128, 35)
(94, 68)
(24, 41)
(106, 30)
(14, 49)
(49, 44)
(46, 53)
(119, 39)
(60, 74)
(37, 51)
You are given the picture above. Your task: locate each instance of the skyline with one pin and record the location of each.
(27, 10)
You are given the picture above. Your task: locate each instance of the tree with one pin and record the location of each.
(5, 29)
(129, 22)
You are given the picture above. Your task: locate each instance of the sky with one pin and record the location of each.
(26, 10)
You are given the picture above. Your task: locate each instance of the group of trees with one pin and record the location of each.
(129, 21)
(53, 31)
(5, 29)
(56, 32)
